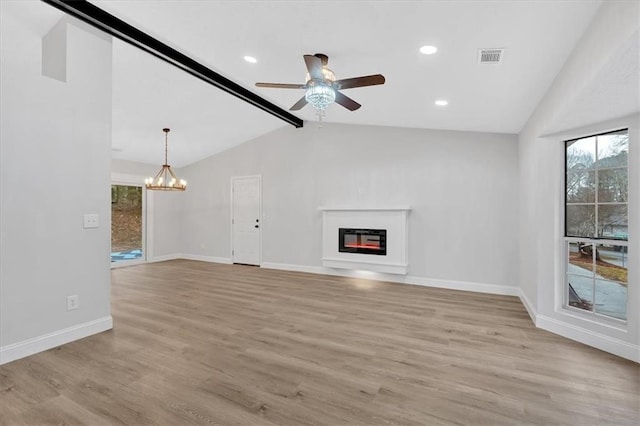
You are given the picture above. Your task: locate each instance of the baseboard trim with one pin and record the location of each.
(210, 259)
(583, 335)
(503, 290)
(590, 338)
(34, 345)
(413, 280)
(166, 257)
(528, 306)
(198, 257)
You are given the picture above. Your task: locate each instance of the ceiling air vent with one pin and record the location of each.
(490, 56)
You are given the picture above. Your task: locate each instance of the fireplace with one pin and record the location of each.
(365, 241)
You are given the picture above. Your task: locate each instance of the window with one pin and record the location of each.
(596, 223)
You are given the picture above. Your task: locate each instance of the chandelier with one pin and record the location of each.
(165, 179)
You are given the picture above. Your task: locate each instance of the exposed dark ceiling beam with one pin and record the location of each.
(108, 23)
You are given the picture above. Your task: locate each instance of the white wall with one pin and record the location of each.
(462, 188)
(541, 178)
(164, 209)
(55, 162)
(133, 168)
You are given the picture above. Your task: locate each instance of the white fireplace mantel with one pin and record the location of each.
(393, 219)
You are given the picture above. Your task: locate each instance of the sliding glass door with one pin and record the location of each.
(127, 225)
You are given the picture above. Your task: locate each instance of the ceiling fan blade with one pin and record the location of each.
(367, 80)
(314, 66)
(298, 105)
(281, 85)
(346, 102)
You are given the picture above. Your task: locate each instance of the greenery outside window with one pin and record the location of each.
(596, 223)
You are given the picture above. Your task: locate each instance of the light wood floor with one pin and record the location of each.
(200, 343)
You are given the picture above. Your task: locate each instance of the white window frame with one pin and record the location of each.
(566, 240)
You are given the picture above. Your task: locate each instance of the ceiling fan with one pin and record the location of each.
(322, 88)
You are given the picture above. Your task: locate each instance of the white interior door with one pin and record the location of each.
(246, 219)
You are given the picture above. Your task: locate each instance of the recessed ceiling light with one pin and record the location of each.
(250, 59)
(428, 50)
(442, 102)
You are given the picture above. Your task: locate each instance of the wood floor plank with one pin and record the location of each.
(202, 343)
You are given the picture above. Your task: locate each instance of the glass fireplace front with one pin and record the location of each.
(365, 241)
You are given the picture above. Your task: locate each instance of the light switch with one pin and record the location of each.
(91, 221)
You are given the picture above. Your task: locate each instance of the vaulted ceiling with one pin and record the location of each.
(360, 38)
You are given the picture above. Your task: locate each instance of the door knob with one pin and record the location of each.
(256, 226)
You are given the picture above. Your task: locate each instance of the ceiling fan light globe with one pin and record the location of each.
(320, 96)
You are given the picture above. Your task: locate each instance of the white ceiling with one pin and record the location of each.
(361, 38)
(612, 92)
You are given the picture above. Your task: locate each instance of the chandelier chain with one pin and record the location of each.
(166, 146)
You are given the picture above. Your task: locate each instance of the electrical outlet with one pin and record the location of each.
(73, 302)
(91, 221)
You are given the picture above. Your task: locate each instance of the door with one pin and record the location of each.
(246, 219)
(127, 224)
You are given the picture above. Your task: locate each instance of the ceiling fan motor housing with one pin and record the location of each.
(324, 58)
